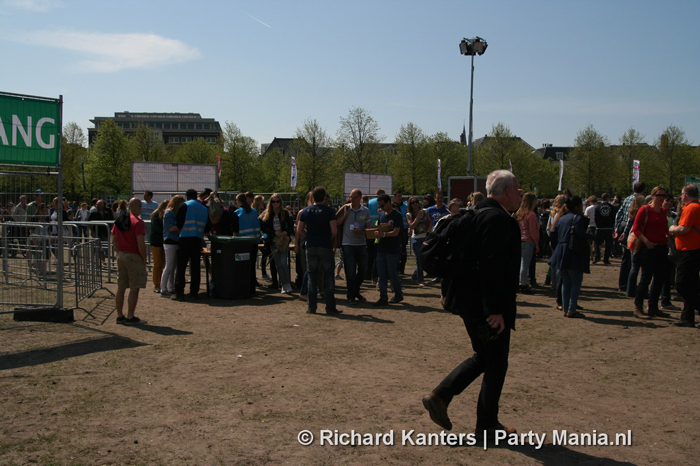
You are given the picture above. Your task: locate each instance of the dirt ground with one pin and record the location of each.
(235, 382)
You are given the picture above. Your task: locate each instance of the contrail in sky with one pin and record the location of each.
(256, 19)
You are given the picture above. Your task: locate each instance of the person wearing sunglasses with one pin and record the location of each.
(278, 225)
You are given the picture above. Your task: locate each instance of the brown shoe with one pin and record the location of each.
(639, 313)
(490, 432)
(437, 410)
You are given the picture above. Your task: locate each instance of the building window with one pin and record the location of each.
(185, 139)
(560, 156)
(211, 140)
(174, 140)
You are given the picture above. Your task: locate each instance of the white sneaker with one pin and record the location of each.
(286, 289)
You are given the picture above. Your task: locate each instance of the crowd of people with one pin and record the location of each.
(373, 237)
(656, 237)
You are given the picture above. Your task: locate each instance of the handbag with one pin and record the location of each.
(282, 243)
(578, 246)
(634, 244)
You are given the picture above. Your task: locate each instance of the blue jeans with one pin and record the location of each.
(571, 281)
(355, 268)
(386, 269)
(417, 246)
(316, 259)
(304, 284)
(636, 261)
(282, 262)
(527, 249)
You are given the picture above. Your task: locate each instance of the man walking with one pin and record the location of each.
(192, 219)
(318, 220)
(354, 220)
(687, 234)
(131, 261)
(491, 317)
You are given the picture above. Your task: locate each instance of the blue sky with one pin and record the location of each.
(551, 68)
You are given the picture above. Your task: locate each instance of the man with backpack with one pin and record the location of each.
(489, 311)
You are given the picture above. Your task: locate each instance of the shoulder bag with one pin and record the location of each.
(634, 244)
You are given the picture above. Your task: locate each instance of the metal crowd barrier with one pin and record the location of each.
(35, 267)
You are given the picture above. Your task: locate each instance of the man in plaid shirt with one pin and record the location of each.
(621, 220)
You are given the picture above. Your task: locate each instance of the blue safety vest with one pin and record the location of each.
(248, 223)
(373, 206)
(195, 220)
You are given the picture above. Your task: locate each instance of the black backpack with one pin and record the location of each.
(448, 253)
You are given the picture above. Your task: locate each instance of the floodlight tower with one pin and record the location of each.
(471, 47)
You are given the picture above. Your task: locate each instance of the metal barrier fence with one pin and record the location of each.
(88, 269)
(36, 271)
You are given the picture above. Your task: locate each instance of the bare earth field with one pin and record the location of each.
(235, 382)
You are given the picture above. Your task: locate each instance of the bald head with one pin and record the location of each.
(135, 206)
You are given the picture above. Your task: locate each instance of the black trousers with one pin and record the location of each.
(491, 359)
(688, 283)
(188, 251)
(603, 236)
(654, 263)
(371, 273)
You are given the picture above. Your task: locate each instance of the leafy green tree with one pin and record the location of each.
(632, 147)
(411, 165)
(359, 142)
(148, 145)
(590, 168)
(109, 161)
(313, 150)
(274, 172)
(74, 134)
(197, 151)
(675, 158)
(239, 161)
(453, 158)
(498, 150)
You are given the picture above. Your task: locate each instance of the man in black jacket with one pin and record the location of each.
(492, 317)
(605, 222)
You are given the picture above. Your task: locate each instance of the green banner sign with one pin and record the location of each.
(30, 131)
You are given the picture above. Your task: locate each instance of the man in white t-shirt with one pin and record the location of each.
(354, 221)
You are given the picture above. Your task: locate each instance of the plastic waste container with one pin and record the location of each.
(231, 261)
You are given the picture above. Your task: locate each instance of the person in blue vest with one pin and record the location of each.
(192, 220)
(373, 207)
(248, 225)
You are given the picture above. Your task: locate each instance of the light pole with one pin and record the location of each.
(475, 46)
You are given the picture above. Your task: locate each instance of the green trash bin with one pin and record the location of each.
(231, 261)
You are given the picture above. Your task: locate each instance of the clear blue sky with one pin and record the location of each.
(551, 68)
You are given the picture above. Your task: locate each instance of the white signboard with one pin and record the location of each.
(171, 177)
(368, 183)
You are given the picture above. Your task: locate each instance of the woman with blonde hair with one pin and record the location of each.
(156, 241)
(171, 242)
(277, 224)
(529, 237)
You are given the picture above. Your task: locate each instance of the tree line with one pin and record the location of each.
(592, 166)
